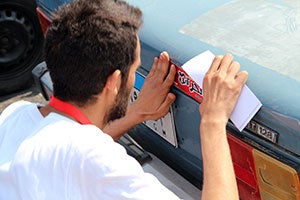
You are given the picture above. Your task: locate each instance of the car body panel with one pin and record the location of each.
(280, 93)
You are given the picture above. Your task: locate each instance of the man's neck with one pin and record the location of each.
(89, 111)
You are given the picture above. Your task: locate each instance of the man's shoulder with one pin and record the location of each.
(14, 109)
(15, 106)
(58, 138)
(67, 130)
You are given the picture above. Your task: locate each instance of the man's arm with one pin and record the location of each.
(153, 101)
(222, 86)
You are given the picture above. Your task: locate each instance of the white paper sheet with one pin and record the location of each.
(248, 104)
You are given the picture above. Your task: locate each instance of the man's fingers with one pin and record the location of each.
(164, 108)
(233, 69)
(226, 63)
(163, 65)
(215, 64)
(242, 77)
(160, 66)
(170, 77)
(170, 99)
(154, 67)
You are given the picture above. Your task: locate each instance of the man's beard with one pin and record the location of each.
(118, 110)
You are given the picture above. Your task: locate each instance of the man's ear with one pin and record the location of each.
(113, 82)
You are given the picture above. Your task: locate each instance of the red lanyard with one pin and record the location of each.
(69, 110)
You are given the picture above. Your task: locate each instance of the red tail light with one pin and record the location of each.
(244, 168)
(260, 176)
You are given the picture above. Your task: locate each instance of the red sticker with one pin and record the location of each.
(187, 85)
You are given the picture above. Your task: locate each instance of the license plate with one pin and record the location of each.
(262, 131)
(164, 127)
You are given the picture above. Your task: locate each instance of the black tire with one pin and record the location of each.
(21, 42)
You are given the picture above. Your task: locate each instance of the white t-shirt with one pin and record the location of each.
(62, 159)
(16, 124)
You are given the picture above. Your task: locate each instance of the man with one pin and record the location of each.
(92, 52)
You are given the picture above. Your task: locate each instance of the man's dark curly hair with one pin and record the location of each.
(87, 41)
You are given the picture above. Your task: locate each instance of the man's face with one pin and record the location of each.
(118, 110)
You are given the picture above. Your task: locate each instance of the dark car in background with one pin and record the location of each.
(21, 42)
(264, 37)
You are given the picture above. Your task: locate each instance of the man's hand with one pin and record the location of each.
(222, 85)
(155, 98)
(153, 101)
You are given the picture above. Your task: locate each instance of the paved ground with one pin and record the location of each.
(30, 94)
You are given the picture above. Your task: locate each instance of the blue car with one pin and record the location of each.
(264, 37)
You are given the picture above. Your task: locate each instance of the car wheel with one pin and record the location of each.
(21, 42)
